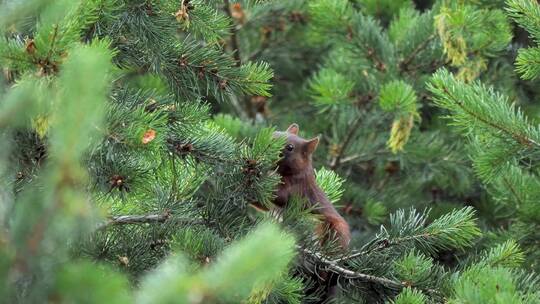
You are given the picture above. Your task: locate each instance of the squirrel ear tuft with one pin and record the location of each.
(312, 144)
(293, 129)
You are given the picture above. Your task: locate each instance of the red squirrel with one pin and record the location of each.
(298, 179)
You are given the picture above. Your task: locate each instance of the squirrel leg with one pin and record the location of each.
(334, 225)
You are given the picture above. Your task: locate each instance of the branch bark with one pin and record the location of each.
(248, 107)
(382, 245)
(334, 267)
(404, 64)
(349, 273)
(234, 36)
(143, 219)
(350, 133)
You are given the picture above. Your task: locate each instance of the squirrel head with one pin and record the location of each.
(296, 155)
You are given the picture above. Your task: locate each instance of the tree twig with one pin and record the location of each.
(143, 219)
(405, 62)
(382, 245)
(360, 156)
(234, 36)
(513, 190)
(352, 129)
(349, 273)
(334, 267)
(135, 219)
(236, 55)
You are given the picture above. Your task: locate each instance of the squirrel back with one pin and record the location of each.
(298, 178)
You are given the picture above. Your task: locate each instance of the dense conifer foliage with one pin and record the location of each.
(138, 150)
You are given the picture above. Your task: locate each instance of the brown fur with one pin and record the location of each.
(298, 179)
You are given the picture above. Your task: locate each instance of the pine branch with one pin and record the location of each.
(135, 219)
(53, 41)
(362, 156)
(237, 107)
(512, 190)
(234, 35)
(404, 64)
(350, 133)
(371, 54)
(349, 273)
(143, 219)
(248, 108)
(333, 266)
(382, 245)
(441, 233)
(520, 138)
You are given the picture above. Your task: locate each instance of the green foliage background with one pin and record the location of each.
(136, 135)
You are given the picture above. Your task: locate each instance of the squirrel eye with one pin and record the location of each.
(289, 147)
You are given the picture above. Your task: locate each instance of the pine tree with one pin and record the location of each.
(139, 132)
(370, 64)
(503, 140)
(117, 161)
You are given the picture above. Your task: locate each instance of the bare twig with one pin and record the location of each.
(143, 219)
(236, 105)
(349, 273)
(361, 156)
(405, 62)
(513, 190)
(234, 36)
(382, 245)
(334, 267)
(236, 54)
(350, 133)
(135, 219)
